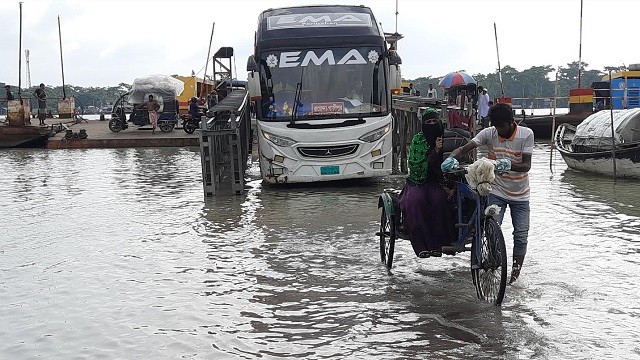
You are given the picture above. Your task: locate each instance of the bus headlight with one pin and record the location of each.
(375, 134)
(278, 140)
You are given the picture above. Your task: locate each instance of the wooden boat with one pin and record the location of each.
(580, 107)
(590, 147)
(542, 124)
(24, 136)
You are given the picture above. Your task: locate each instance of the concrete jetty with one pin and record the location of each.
(99, 136)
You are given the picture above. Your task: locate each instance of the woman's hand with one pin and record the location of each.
(438, 144)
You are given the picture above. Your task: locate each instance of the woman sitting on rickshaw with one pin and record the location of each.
(427, 217)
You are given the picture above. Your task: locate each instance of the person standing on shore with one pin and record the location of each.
(511, 146)
(9, 94)
(152, 106)
(412, 90)
(42, 103)
(432, 93)
(483, 106)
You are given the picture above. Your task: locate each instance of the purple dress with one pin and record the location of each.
(427, 216)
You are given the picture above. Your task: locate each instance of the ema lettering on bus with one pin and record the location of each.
(292, 58)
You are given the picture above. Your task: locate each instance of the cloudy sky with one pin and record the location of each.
(108, 42)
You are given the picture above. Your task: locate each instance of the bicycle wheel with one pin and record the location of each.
(387, 237)
(490, 276)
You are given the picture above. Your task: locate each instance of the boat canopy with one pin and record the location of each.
(595, 131)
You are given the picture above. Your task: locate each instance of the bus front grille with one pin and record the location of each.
(328, 151)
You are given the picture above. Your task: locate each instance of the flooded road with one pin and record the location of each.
(115, 254)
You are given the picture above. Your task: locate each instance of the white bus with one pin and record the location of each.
(321, 78)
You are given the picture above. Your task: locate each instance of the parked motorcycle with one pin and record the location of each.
(191, 123)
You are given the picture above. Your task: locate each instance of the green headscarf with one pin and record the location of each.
(421, 147)
(418, 164)
(428, 111)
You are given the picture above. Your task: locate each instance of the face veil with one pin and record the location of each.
(432, 128)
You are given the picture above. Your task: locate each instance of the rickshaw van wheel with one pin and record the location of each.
(166, 127)
(115, 125)
(387, 237)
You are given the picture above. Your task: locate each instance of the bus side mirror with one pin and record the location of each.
(395, 79)
(253, 82)
(251, 64)
(394, 58)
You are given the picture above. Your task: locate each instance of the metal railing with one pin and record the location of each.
(518, 103)
(225, 145)
(630, 99)
(406, 123)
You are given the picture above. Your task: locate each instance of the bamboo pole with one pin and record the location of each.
(495, 31)
(553, 123)
(396, 16)
(580, 51)
(64, 92)
(204, 77)
(613, 139)
(20, 58)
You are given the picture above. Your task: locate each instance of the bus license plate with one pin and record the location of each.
(329, 170)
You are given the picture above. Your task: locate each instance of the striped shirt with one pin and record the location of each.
(512, 185)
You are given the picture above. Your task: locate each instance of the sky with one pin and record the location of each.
(105, 43)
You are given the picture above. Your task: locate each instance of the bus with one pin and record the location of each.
(321, 80)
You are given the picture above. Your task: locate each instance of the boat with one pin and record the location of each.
(24, 136)
(16, 130)
(580, 107)
(542, 124)
(590, 147)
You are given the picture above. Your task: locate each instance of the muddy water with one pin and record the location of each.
(115, 254)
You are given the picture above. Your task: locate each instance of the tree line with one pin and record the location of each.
(533, 83)
(84, 96)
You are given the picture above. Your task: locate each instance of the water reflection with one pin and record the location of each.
(303, 259)
(115, 253)
(620, 194)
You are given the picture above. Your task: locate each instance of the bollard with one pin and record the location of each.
(101, 116)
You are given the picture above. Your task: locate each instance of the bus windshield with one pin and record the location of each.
(323, 83)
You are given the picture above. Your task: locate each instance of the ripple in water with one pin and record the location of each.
(115, 254)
